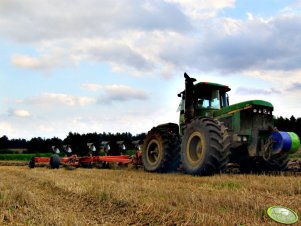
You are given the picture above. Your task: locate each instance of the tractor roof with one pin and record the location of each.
(205, 86)
(210, 85)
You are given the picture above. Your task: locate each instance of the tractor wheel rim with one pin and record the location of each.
(153, 152)
(194, 148)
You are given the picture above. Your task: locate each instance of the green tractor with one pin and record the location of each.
(211, 133)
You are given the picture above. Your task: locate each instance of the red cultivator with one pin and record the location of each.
(55, 161)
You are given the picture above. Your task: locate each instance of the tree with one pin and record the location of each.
(289, 125)
(4, 142)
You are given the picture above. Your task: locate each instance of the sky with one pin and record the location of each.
(117, 65)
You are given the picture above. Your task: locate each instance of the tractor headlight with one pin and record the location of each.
(259, 111)
(240, 138)
(255, 110)
(265, 111)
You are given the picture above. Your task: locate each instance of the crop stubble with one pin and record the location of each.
(42, 196)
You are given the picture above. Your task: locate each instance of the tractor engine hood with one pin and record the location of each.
(244, 105)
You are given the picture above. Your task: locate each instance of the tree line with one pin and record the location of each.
(290, 125)
(79, 142)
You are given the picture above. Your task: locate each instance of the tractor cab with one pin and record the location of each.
(201, 99)
(210, 96)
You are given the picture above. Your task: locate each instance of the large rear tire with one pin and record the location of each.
(205, 147)
(161, 150)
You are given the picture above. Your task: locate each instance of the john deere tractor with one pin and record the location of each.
(211, 133)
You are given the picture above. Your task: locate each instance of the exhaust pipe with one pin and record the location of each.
(189, 109)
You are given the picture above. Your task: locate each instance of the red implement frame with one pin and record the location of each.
(75, 160)
(120, 159)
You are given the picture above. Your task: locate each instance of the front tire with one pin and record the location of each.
(203, 151)
(161, 150)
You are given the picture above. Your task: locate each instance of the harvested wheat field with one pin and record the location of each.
(42, 196)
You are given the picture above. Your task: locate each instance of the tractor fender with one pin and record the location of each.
(171, 126)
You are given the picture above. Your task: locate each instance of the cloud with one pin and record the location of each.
(92, 86)
(5, 128)
(259, 44)
(59, 98)
(198, 9)
(231, 46)
(294, 5)
(276, 78)
(114, 52)
(54, 20)
(61, 53)
(255, 91)
(43, 62)
(25, 61)
(122, 93)
(114, 92)
(119, 33)
(294, 87)
(152, 36)
(46, 128)
(20, 113)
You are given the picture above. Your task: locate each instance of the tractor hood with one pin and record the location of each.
(243, 105)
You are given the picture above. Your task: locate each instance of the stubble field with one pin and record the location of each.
(42, 196)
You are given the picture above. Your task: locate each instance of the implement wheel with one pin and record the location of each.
(161, 150)
(31, 163)
(205, 147)
(54, 161)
